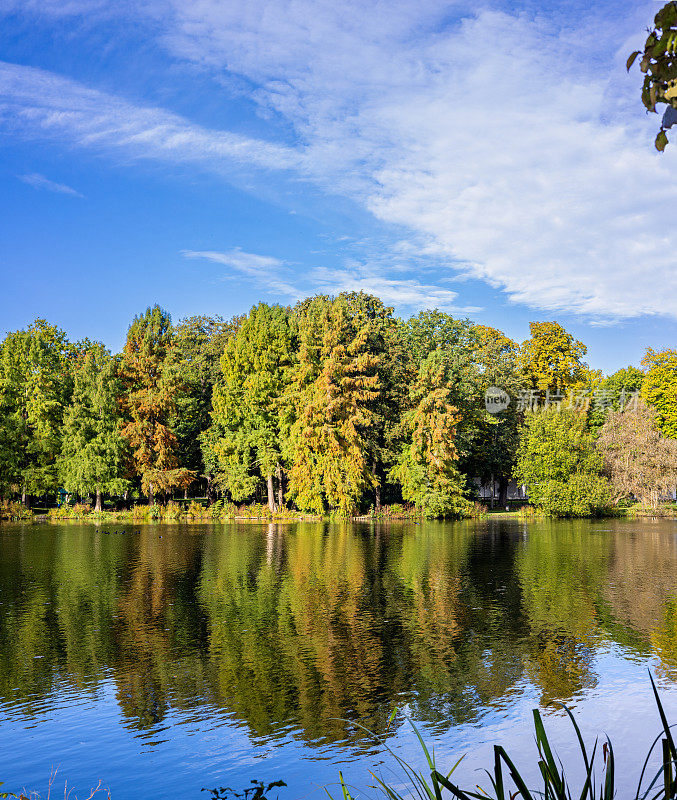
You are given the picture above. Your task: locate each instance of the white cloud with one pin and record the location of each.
(35, 103)
(276, 276)
(38, 181)
(265, 271)
(514, 150)
(404, 293)
(496, 138)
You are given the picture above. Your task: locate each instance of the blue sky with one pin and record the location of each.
(489, 159)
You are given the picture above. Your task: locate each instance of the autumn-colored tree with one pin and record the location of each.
(387, 344)
(35, 385)
(552, 360)
(94, 452)
(659, 65)
(638, 460)
(427, 468)
(150, 385)
(659, 388)
(435, 331)
(247, 439)
(334, 385)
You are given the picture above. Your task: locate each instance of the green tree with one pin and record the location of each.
(198, 345)
(427, 468)
(93, 452)
(659, 65)
(334, 387)
(659, 388)
(248, 437)
(35, 385)
(558, 462)
(386, 343)
(493, 446)
(150, 385)
(552, 360)
(434, 331)
(613, 393)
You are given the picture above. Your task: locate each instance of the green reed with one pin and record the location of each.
(598, 781)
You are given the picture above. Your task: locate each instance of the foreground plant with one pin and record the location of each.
(507, 783)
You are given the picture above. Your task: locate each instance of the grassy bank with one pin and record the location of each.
(221, 511)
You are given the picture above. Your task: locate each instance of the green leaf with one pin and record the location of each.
(661, 141)
(631, 59)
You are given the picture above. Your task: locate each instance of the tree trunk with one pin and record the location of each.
(271, 493)
(491, 501)
(280, 489)
(97, 506)
(24, 499)
(503, 492)
(185, 493)
(151, 495)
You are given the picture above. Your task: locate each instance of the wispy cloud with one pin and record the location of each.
(265, 271)
(404, 293)
(39, 104)
(278, 277)
(38, 181)
(494, 137)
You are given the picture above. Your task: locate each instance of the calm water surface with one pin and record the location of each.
(171, 658)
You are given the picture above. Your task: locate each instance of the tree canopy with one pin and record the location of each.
(332, 406)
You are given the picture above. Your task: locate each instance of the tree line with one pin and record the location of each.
(334, 405)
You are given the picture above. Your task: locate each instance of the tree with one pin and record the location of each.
(35, 385)
(613, 394)
(659, 65)
(491, 455)
(552, 360)
(659, 388)
(427, 468)
(386, 343)
(150, 385)
(558, 462)
(334, 385)
(198, 345)
(93, 453)
(432, 331)
(248, 439)
(638, 460)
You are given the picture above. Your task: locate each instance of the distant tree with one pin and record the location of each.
(35, 385)
(491, 455)
(659, 65)
(638, 460)
(614, 393)
(150, 385)
(427, 468)
(558, 462)
(248, 439)
(552, 360)
(334, 386)
(659, 388)
(432, 331)
(386, 343)
(198, 345)
(94, 453)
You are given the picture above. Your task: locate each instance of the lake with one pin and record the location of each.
(169, 658)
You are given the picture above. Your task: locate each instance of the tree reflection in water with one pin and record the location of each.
(301, 626)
